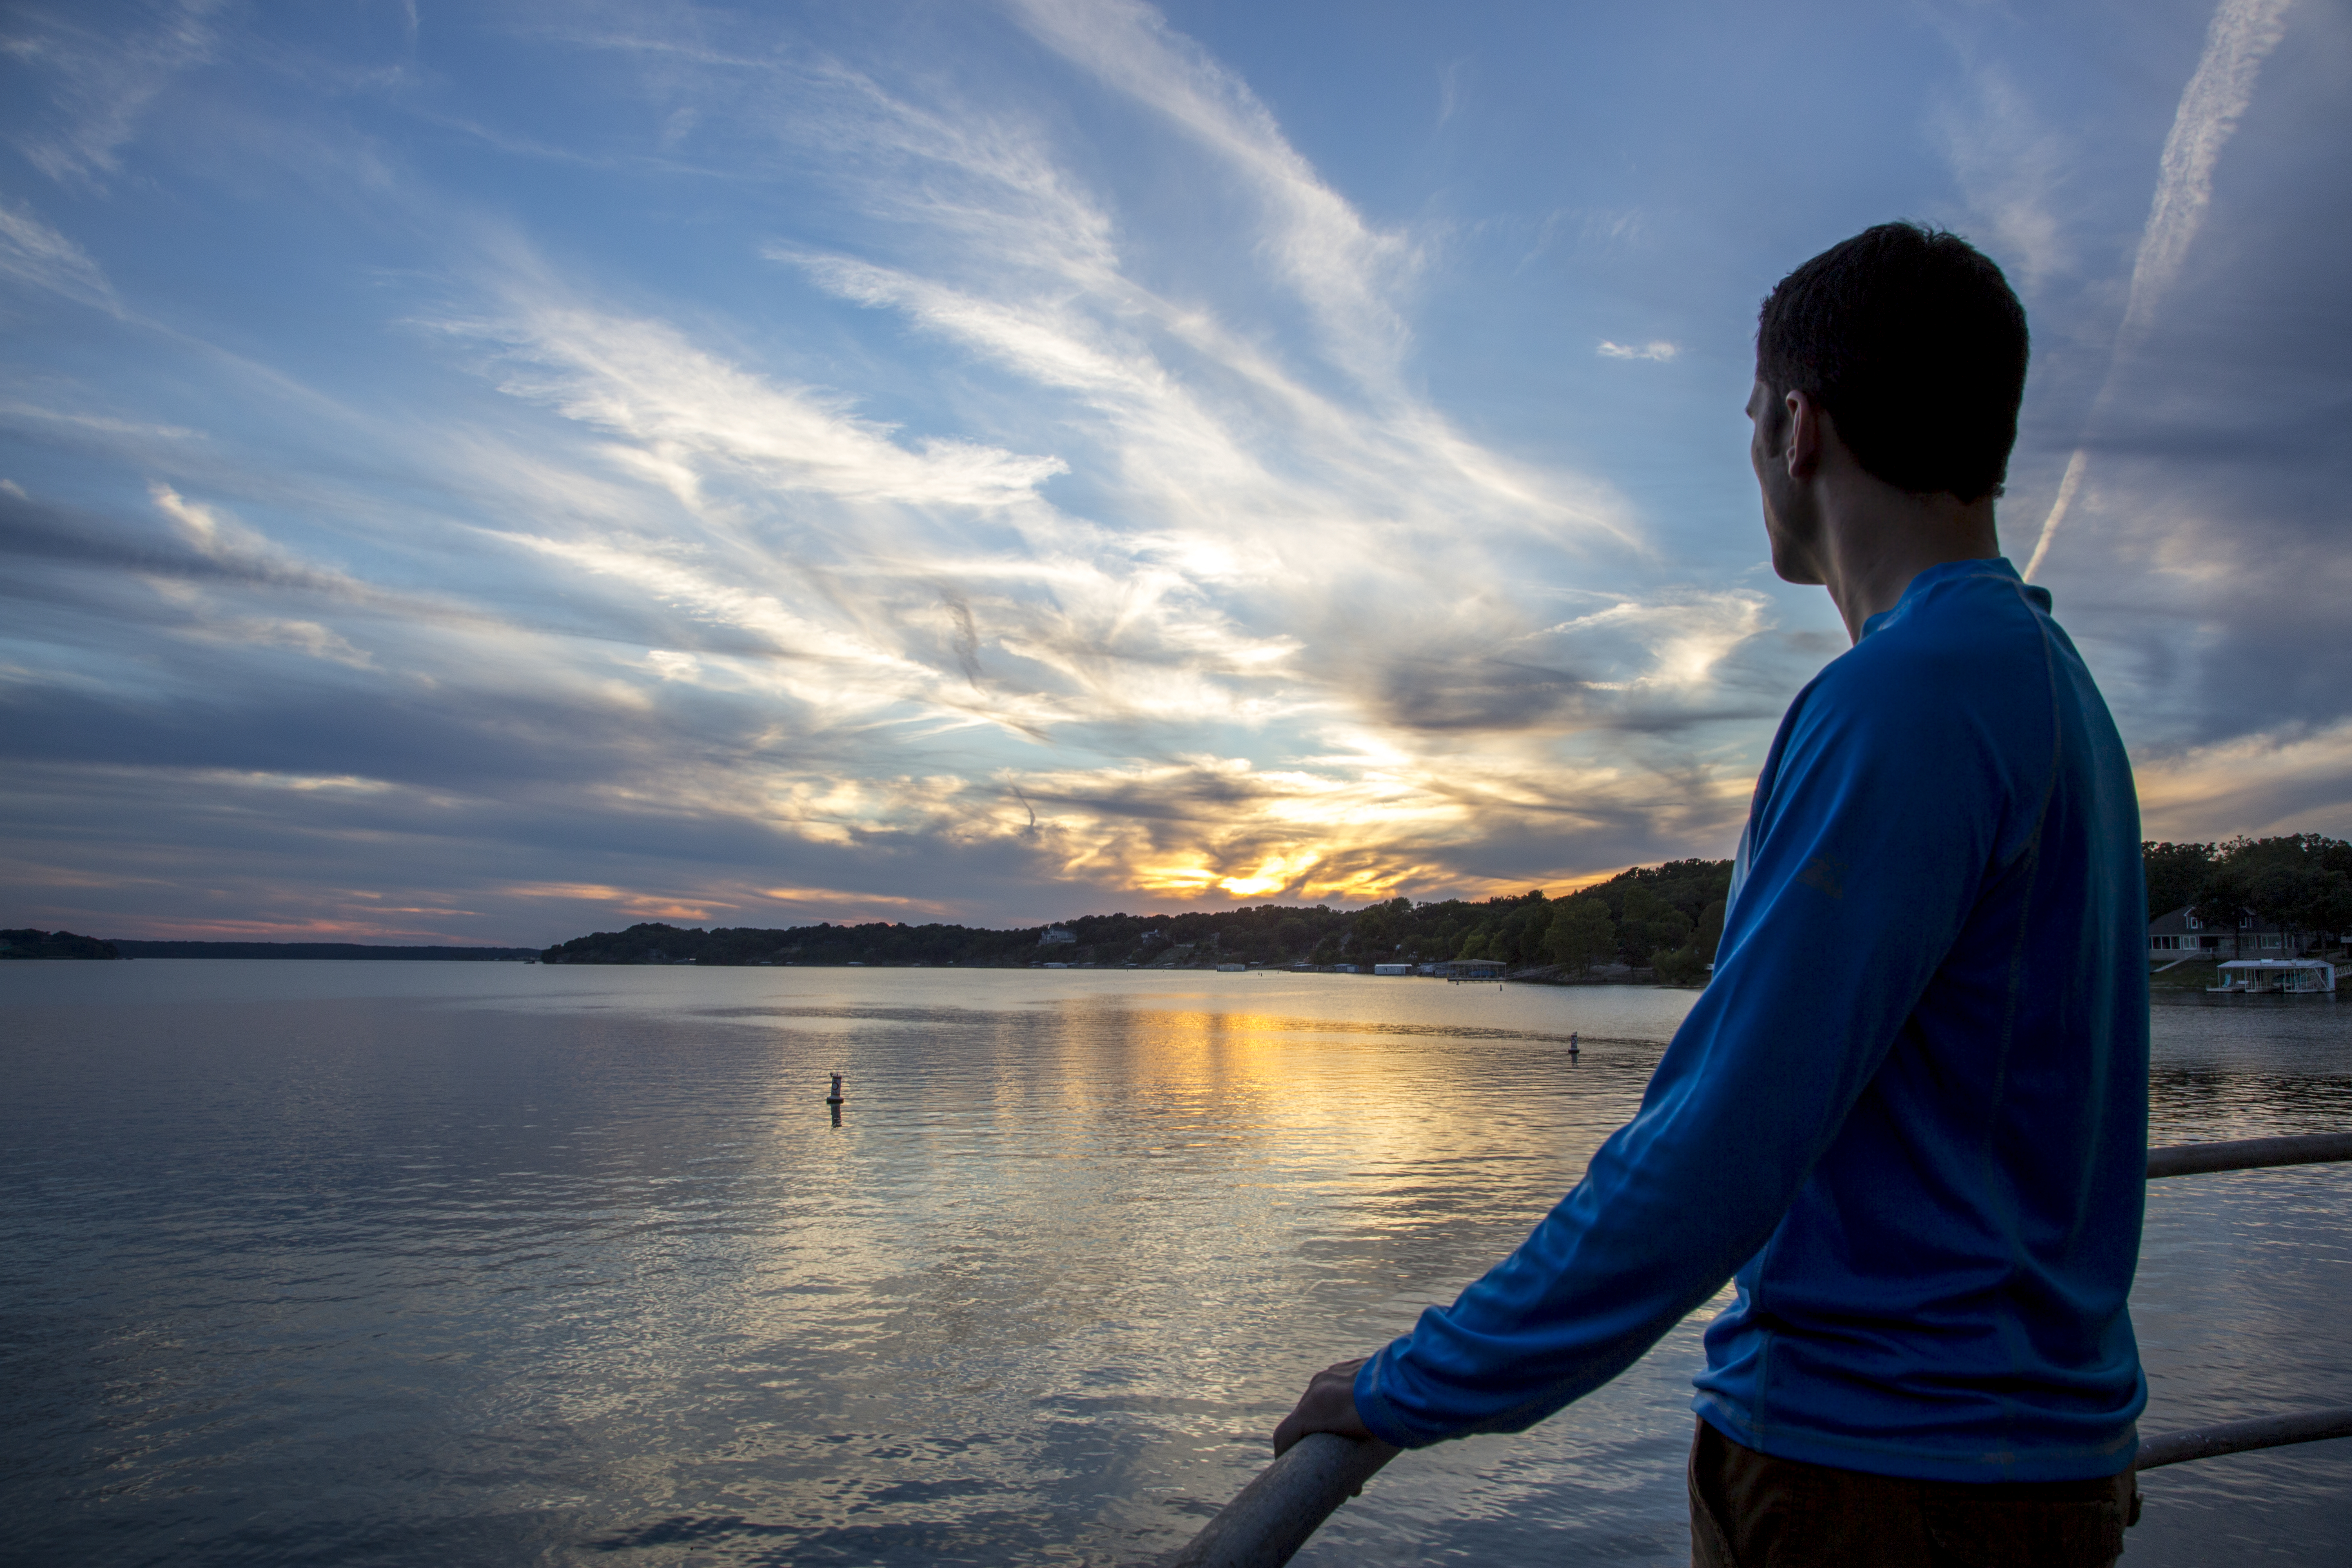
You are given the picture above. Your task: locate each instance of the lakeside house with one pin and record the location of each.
(2180, 935)
(1056, 936)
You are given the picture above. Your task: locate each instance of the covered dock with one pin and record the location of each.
(2276, 976)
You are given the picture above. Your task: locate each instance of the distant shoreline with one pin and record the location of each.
(345, 950)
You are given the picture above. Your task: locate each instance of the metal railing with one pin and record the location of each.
(2248, 1154)
(1288, 1501)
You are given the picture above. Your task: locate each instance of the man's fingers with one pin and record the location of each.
(1327, 1405)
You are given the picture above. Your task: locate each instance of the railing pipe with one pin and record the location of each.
(1292, 1497)
(2238, 1437)
(2248, 1154)
(1286, 1503)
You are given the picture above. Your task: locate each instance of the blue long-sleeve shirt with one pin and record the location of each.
(1907, 1115)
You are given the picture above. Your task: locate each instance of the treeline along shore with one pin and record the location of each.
(1650, 921)
(28, 942)
(322, 949)
(1659, 922)
(1662, 918)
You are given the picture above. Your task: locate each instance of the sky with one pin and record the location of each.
(489, 472)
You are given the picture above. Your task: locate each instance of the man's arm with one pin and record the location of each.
(1868, 845)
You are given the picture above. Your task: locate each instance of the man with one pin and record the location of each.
(1908, 1114)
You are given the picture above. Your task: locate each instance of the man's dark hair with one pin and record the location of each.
(1911, 340)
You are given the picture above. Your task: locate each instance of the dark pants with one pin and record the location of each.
(1751, 1510)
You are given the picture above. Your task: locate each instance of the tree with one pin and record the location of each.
(1581, 934)
(1710, 930)
(2175, 874)
(28, 943)
(2300, 882)
(1680, 966)
(1517, 938)
(1650, 925)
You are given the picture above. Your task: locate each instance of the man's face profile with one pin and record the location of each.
(1792, 559)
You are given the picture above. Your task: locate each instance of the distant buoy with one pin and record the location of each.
(834, 1097)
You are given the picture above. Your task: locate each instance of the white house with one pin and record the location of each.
(2181, 934)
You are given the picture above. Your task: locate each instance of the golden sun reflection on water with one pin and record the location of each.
(550, 1264)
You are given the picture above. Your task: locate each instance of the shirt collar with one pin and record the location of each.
(1945, 572)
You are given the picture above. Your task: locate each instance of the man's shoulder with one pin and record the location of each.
(1964, 633)
(1955, 683)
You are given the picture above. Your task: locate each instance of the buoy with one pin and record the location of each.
(834, 1097)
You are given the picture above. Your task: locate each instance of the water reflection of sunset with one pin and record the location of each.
(585, 1252)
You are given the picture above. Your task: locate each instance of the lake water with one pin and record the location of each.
(362, 1263)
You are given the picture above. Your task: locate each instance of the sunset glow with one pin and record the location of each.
(483, 474)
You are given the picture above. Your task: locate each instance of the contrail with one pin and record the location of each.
(2242, 35)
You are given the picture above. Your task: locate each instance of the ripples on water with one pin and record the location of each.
(362, 1263)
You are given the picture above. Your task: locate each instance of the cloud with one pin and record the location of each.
(102, 79)
(1007, 253)
(687, 412)
(2013, 168)
(33, 255)
(933, 525)
(2273, 781)
(1449, 88)
(1301, 652)
(1338, 265)
(2241, 36)
(208, 547)
(101, 424)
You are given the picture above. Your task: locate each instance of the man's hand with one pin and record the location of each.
(1327, 1405)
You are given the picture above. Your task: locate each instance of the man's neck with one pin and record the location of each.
(1875, 539)
(1834, 523)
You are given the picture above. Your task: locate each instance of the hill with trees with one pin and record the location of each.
(27, 942)
(372, 951)
(1665, 917)
(1664, 920)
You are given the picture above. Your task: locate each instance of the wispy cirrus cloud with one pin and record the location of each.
(2241, 36)
(2013, 166)
(34, 254)
(687, 412)
(1063, 634)
(1341, 267)
(101, 74)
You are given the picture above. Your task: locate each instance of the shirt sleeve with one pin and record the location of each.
(1868, 842)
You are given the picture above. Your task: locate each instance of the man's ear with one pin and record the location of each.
(1801, 443)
